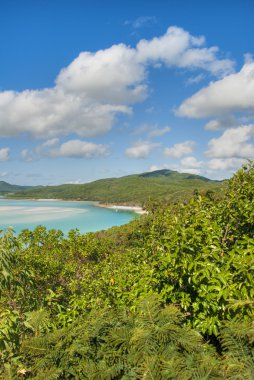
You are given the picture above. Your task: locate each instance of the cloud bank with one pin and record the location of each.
(72, 149)
(96, 87)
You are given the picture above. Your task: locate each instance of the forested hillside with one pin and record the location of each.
(6, 188)
(134, 189)
(168, 296)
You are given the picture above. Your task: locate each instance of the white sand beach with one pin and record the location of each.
(136, 209)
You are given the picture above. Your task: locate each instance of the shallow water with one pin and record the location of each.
(63, 215)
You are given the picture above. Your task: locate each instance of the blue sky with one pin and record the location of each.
(95, 89)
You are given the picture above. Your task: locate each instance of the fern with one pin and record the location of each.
(37, 321)
(237, 337)
(150, 344)
(8, 244)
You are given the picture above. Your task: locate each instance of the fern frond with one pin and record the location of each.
(149, 310)
(237, 342)
(37, 320)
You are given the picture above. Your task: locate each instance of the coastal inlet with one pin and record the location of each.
(63, 215)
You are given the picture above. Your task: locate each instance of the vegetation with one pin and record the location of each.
(134, 189)
(6, 188)
(168, 296)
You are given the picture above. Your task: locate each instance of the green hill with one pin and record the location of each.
(133, 189)
(8, 188)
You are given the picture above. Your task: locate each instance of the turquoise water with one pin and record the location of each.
(63, 215)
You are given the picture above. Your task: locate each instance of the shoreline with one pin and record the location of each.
(137, 209)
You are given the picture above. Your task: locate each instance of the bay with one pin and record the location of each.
(63, 215)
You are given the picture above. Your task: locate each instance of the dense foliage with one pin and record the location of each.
(168, 296)
(133, 189)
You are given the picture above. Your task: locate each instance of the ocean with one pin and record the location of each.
(63, 215)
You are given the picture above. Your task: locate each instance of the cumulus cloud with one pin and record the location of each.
(191, 162)
(233, 143)
(4, 154)
(177, 47)
(141, 149)
(71, 148)
(53, 112)
(189, 170)
(233, 93)
(180, 150)
(154, 167)
(79, 149)
(112, 75)
(190, 165)
(225, 164)
(95, 87)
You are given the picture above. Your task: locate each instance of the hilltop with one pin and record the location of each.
(6, 188)
(132, 189)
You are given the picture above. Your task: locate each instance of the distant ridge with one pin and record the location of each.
(174, 174)
(134, 189)
(6, 188)
(158, 173)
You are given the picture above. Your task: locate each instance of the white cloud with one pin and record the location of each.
(144, 128)
(152, 130)
(157, 132)
(141, 149)
(96, 87)
(79, 149)
(3, 174)
(52, 112)
(233, 143)
(112, 75)
(179, 48)
(180, 150)
(76, 182)
(225, 164)
(50, 143)
(233, 93)
(71, 148)
(153, 168)
(191, 162)
(4, 154)
(189, 170)
(181, 168)
(41, 150)
(190, 165)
